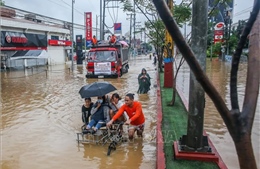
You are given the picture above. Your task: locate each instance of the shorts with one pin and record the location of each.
(136, 127)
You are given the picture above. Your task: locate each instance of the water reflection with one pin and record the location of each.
(41, 116)
(219, 74)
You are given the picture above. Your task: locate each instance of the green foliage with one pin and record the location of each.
(155, 27)
(146, 46)
(127, 6)
(210, 33)
(156, 31)
(182, 13)
(216, 50)
(233, 41)
(2, 3)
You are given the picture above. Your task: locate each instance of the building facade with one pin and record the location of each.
(29, 40)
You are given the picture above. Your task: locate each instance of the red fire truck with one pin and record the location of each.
(105, 60)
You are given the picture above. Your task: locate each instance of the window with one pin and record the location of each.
(54, 37)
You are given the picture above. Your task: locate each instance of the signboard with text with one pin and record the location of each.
(218, 32)
(22, 41)
(102, 68)
(88, 19)
(117, 28)
(53, 42)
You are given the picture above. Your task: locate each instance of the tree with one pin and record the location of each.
(154, 26)
(2, 3)
(239, 123)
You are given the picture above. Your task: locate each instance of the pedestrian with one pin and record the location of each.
(86, 111)
(115, 104)
(99, 114)
(94, 41)
(112, 39)
(154, 59)
(135, 115)
(144, 81)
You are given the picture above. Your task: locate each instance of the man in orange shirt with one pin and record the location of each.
(135, 113)
(94, 41)
(112, 39)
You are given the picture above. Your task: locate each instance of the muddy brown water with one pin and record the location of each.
(219, 73)
(41, 116)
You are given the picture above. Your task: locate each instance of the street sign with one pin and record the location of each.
(117, 28)
(218, 32)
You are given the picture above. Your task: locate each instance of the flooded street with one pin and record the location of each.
(219, 73)
(41, 114)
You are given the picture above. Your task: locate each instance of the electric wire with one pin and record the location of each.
(49, 20)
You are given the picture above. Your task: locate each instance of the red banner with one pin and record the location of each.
(88, 18)
(52, 42)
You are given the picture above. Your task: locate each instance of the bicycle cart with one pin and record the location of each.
(112, 135)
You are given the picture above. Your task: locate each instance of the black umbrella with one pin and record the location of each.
(96, 89)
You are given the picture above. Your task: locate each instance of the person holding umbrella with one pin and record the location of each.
(135, 113)
(99, 114)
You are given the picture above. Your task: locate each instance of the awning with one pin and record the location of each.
(30, 54)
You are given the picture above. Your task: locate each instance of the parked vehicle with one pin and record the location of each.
(106, 60)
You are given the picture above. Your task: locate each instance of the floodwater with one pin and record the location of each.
(41, 114)
(219, 74)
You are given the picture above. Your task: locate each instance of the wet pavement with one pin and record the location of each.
(41, 114)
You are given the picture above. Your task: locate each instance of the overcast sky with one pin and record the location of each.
(61, 9)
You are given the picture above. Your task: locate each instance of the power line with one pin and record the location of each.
(82, 13)
(21, 13)
(243, 11)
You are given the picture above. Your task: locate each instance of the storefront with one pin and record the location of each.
(16, 48)
(28, 43)
(58, 48)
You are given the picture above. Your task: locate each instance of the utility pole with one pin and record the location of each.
(141, 35)
(144, 36)
(212, 35)
(72, 36)
(101, 23)
(134, 27)
(228, 22)
(130, 38)
(96, 25)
